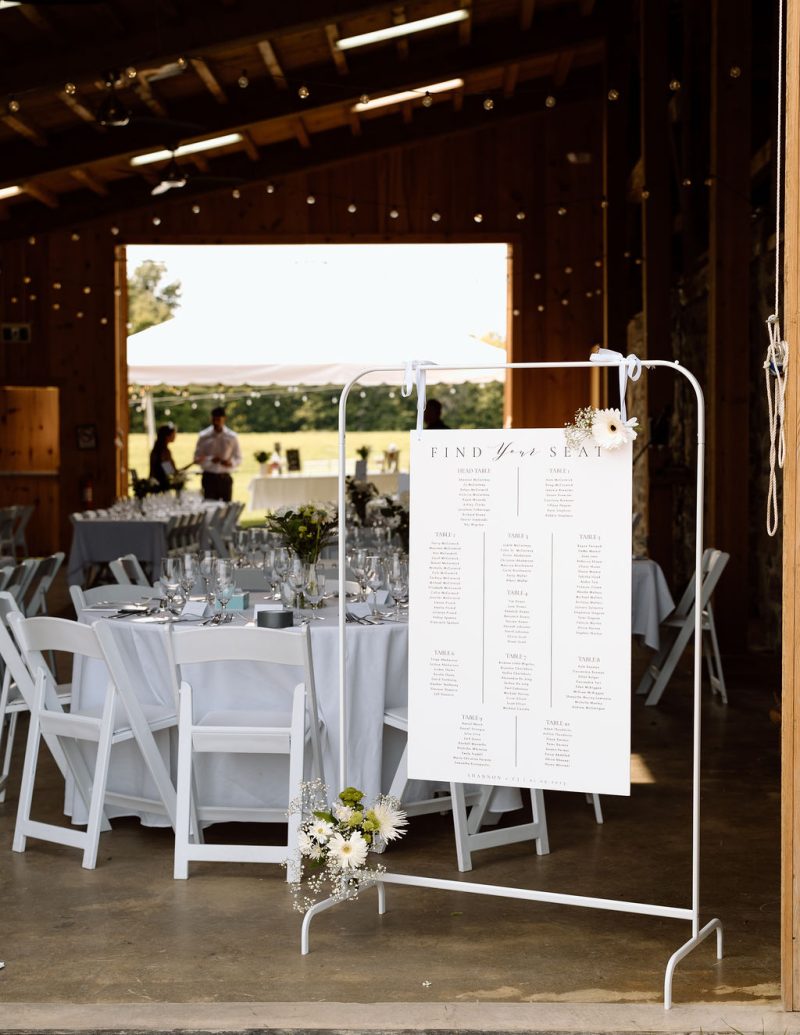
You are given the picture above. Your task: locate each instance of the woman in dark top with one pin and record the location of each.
(161, 463)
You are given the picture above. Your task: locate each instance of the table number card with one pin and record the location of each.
(520, 622)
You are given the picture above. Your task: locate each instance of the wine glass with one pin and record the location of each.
(374, 576)
(241, 542)
(398, 583)
(223, 586)
(358, 566)
(171, 579)
(206, 567)
(280, 566)
(296, 577)
(188, 573)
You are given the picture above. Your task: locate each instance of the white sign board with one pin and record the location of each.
(520, 618)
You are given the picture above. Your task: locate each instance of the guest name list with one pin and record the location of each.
(519, 640)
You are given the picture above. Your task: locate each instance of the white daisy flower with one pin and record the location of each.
(321, 830)
(304, 843)
(342, 812)
(317, 852)
(390, 820)
(348, 854)
(610, 431)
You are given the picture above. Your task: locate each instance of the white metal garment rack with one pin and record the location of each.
(692, 912)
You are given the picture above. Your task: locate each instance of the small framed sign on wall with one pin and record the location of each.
(86, 436)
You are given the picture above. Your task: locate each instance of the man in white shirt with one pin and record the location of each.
(218, 453)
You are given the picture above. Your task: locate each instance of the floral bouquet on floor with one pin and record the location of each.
(305, 530)
(335, 841)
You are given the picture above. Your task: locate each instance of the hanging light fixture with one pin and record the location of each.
(112, 112)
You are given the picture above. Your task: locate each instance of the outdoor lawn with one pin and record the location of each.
(318, 453)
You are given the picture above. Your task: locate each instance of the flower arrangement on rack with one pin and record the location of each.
(143, 487)
(335, 841)
(605, 428)
(305, 530)
(363, 452)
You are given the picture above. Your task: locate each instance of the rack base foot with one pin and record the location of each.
(684, 950)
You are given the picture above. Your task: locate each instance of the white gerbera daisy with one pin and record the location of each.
(610, 431)
(321, 830)
(305, 843)
(316, 852)
(348, 854)
(342, 812)
(390, 820)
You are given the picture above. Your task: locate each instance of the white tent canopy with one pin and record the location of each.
(153, 358)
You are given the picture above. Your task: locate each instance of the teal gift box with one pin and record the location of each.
(239, 602)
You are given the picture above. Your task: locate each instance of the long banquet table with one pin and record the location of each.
(269, 492)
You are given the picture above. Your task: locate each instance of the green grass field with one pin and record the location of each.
(318, 453)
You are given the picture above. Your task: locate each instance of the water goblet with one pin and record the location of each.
(280, 565)
(188, 574)
(313, 587)
(206, 567)
(296, 578)
(170, 580)
(398, 584)
(223, 586)
(374, 576)
(358, 566)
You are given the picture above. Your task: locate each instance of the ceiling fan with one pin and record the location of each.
(172, 177)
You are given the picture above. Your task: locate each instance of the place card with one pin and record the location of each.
(195, 609)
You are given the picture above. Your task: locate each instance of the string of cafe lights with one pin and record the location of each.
(521, 211)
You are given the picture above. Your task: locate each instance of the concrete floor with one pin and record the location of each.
(127, 933)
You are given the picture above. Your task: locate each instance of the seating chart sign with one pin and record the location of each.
(520, 619)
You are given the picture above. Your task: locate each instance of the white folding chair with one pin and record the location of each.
(128, 571)
(42, 581)
(678, 629)
(20, 579)
(214, 530)
(111, 726)
(8, 520)
(469, 837)
(282, 724)
(112, 594)
(16, 691)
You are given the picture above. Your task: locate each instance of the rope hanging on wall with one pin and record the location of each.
(777, 361)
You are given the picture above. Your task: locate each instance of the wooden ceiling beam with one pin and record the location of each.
(465, 27)
(510, 76)
(408, 112)
(208, 79)
(273, 66)
(88, 179)
(144, 91)
(526, 9)
(41, 194)
(301, 132)
(25, 129)
(399, 18)
(331, 148)
(250, 148)
(332, 36)
(355, 122)
(563, 64)
(491, 49)
(80, 109)
(206, 32)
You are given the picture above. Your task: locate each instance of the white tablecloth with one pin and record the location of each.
(378, 677)
(651, 601)
(292, 489)
(98, 541)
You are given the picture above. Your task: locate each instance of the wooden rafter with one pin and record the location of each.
(562, 66)
(355, 122)
(209, 80)
(250, 148)
(458, 99)
(491, 50)
(80, 109)
(144, 91)
(25, 129)
(510, 76)
(465, 27)
(200, 162)
(273, 66)
(526, 9)
(408, 112)
(301, 132)
(88, 179)
(399, 17)
(42, 194)
(332, 36)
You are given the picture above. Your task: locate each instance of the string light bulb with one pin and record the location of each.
(79, 314)
(87, 290)
(436, 217)
(75, 236)
(427, 100)
(270, 188)
(26, 280)
(540, 308)
(13, 105)
(675, 85)
(352, 208)
(478, 217)
(363, 98)
(131, 72)
(115, 231)
(70, 89)
(182, 64)
(243, 81)
(561, 210)
(311, 200)
(156, 220)
(236, 194)
(549, 101)
(31, 240)
(56, 285)
(521, 214)
(393, 213)
(537, 276)
(104, 320)
(735, 72)
(303, 92)
(686, 181)
(488, 104)
(196, 210)
(613, 95)
(645, 194)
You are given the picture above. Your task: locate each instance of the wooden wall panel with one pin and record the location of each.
(508, 167)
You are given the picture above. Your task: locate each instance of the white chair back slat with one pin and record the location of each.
(43, 580)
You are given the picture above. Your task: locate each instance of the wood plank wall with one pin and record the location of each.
(518, 166)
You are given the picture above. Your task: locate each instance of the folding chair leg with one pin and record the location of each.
(677, 648)
(594, 801)
(99, 784)
(651, 675)
(28, 774)
(185, 786)
(463, 854)
(12, 729)
(537, 805)
(717, 679)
